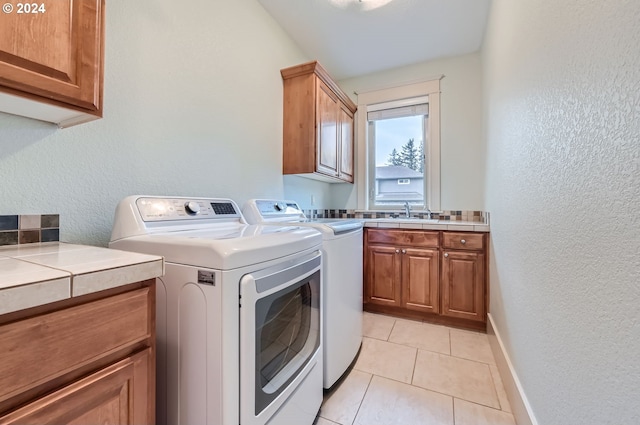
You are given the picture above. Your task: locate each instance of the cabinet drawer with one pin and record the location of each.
(41, 348)
(403, 237)
(472, 241)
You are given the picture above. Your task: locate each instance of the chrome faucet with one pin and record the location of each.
(407, 209)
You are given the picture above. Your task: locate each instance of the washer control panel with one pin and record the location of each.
(273, 207)
(161, 209)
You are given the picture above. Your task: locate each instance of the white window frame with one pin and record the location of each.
(365, 172)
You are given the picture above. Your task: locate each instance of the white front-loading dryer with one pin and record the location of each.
(239, 327)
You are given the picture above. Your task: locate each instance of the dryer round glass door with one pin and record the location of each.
(280, 331)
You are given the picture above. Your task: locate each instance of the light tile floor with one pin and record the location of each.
(414, 373)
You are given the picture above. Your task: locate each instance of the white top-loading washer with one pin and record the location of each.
(238, 323)
(342, 252)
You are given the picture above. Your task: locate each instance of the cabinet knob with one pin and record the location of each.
(397, 251)
(446, 254)
(404, 251)
(462, 241)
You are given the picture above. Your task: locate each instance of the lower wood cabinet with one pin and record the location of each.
(383, 276)
(113, 395)
(420, 288)
(88, 361)
(435, 276)
(463, 285)
(403, 277)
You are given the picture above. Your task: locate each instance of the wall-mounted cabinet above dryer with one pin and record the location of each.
(51, 60)
(318, 137)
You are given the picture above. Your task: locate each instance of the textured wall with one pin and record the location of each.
(462, 143)
(192, 106)
(562, 94)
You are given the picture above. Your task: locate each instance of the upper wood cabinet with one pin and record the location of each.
(51, 61)
(318, 126)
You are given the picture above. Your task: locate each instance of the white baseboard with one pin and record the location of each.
(519, 404)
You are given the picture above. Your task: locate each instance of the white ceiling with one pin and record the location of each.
(356, 37)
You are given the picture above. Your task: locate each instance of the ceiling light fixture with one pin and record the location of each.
(360, 4)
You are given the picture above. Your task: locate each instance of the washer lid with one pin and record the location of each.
(337, 225)
(281, 212)
(224, 249)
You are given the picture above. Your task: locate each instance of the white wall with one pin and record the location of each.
(302, 189)
(462, 143)
(192, 106)
(562, 92)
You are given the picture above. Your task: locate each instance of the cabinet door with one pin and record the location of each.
(420, 280)
(54, 54)
(346, 144)
(70, 338)
(383, 276)
(114, 395)
(463, 285)
(327, 130)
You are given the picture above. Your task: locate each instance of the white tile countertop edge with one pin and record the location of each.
(40, 273)
(399, 223)
(107, 279)
(33, 295)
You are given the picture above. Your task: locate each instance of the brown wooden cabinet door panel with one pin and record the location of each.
(109, 396)
(77, 335)
(56, 54)
(383, 276)
(420, 280)
(463, 285)
(346, 144)
(118, 394)
(327, 119)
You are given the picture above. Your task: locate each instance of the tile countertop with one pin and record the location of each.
(40, 273)
(416, 223)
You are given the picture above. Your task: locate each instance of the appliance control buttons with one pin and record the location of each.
(223, 208)
(192, 207)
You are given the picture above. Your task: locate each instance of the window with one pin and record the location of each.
(399, 129)
(397, 135)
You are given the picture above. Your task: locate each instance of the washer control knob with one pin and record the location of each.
(192, 207)
(278, 207)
